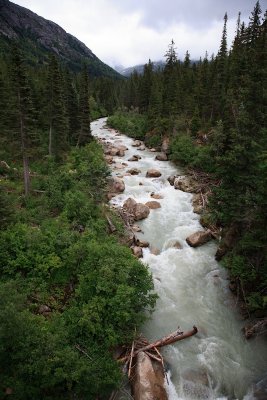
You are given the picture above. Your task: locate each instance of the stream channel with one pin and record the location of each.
(217, 363)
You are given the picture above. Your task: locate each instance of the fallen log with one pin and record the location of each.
(166, 340)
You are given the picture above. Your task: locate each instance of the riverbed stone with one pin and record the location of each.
(153, 173)
(153, 204)
(154, 250)
(199, 238)
(141, 211)
(117, 186)
(171, 179)
(137, 251)
(161, 157)
(135, 157)
(156, 196)
(185, 184)
(137, 143)
(197, 203)
(148, 381)
(134, 171)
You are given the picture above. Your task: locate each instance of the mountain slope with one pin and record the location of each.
(38, 36)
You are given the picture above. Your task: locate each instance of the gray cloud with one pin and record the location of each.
(197, 13)
(129, 32)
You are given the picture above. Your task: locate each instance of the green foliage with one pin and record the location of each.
(135, 125)
(57, 255)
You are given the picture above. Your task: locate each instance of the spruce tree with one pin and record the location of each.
(57, 119)
(84, 110)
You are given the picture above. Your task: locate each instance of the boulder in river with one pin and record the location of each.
(199, 238)
(137, 143)
(185, 184)
(156, 196)
(137, 251)
(141, 211)
(117, 186)
(162, 157)
(197, 203)
(137, 210)
(171, 179)
(153, 173)
(134, 171)
(153, 204)
(135, 157)
(148, 382)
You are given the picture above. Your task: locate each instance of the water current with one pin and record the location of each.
(217, 363)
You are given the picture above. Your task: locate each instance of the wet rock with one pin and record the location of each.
(134, 171)
(137, 210)
(154, 250)
(135, 158)
(153, 173)
(197, 203)
(141, 211)
(118, 166)
(153, 150)
(130, 205)
(185, 184)
(136, 228)
(137, 251)
(198, 238)
(137, 143)
(142, 243)
(148, 382)
(171, 179)
(255, 328)
(156, 196)
(161, 157)
(118, 185)
(109, 159)
(153, 204)
(177, 245)
(142, 147)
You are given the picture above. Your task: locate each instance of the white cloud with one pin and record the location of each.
(118, 34)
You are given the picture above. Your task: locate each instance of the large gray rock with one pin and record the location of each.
(137, 210)
(118, 185)
(199, 238)
(133, 171)
(153, 173)
(153, 204)
(161, 157)
(141, 211)
(185, 184)
(137, 251)
(148, 381)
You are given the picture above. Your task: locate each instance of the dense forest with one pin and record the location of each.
(70, 292)
(214, 112)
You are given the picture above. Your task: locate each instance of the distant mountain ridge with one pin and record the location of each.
(139, 68)
(39, 36)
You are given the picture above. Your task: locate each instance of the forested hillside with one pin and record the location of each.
(214, 113)
(70, 292)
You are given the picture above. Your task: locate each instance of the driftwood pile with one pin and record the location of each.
(141, 344)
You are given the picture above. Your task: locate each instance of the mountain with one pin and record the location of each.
(38, 37)
(138, 68)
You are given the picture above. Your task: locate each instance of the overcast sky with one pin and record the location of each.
(129, 32)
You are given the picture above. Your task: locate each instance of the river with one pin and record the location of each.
(217, 363)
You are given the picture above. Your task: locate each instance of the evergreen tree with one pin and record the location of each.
(84, 111)
(23, 113)
(57, 120)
